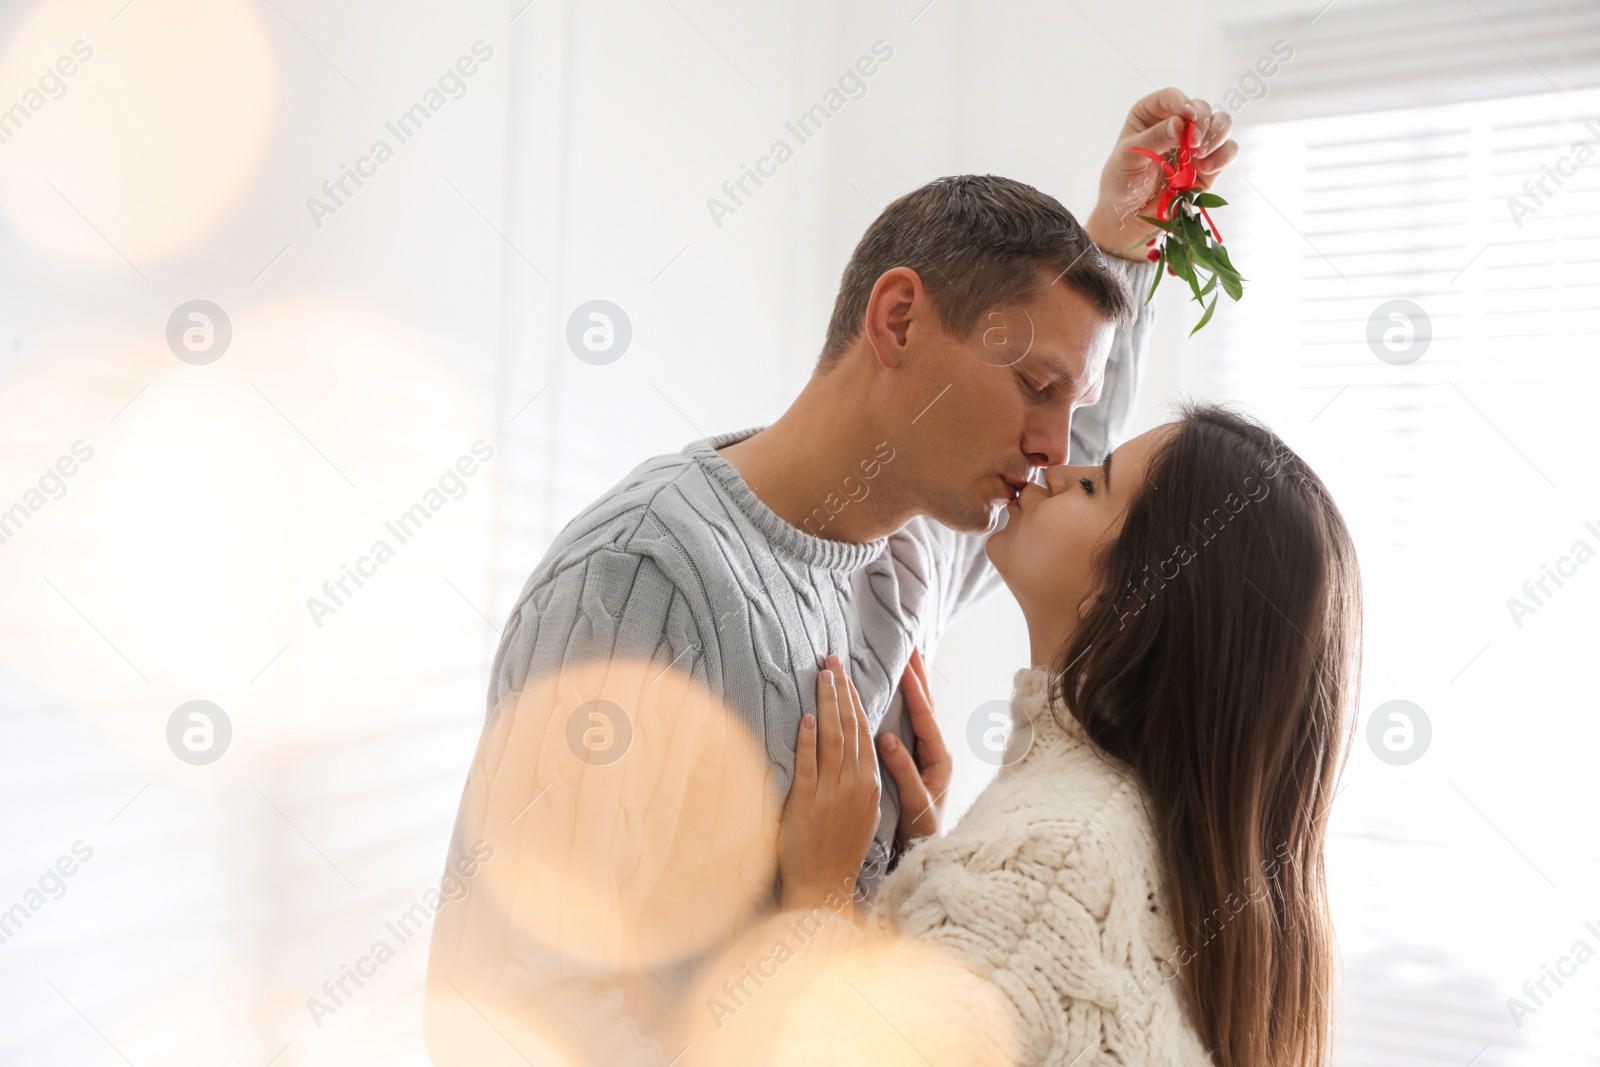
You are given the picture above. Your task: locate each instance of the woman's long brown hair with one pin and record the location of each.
(1219, 658)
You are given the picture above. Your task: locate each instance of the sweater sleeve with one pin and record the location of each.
(814, 987)
(598, 876)
(1098, 429)
(1027, 941)
(1054, 916)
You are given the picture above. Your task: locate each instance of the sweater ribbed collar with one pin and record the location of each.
(1038, 718)
(784, 538)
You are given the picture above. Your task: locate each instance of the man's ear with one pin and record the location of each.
(898, 297)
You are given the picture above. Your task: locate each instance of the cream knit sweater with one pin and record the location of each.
(1049, 889)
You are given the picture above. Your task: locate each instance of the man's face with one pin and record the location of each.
(1001, 402)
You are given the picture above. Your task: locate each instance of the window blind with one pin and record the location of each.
(1422, 243)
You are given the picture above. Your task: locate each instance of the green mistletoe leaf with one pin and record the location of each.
(1191, 251)
(1206, 317)
(1230, 285)
(1201, 254)
(1178, 260)
(1161, 270)
(1222, 257)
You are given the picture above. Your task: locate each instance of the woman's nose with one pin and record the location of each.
(1053, 479)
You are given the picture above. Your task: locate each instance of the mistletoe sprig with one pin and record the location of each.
(1189, 245)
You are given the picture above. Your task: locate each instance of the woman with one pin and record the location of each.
(1143, 881)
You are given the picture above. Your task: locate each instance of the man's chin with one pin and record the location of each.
(974, 517)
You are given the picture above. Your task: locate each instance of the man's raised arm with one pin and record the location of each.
(1130, 185)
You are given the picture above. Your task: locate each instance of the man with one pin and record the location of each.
(618, 825)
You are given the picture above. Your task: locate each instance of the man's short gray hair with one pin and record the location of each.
(976, 241)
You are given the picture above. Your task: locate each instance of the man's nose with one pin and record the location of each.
(1049, 444)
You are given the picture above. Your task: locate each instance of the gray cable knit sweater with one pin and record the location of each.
(685, 578)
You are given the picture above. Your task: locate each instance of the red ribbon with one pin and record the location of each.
(1180, 178)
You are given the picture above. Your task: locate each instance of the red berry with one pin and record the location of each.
(1152, 255)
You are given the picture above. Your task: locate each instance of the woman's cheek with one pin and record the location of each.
(1058, 544)
(1062, 521)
